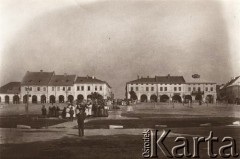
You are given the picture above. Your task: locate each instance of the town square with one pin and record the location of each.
(119, 79)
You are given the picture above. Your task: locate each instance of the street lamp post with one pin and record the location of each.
(66, 93)
(27, 101)
(238, 93)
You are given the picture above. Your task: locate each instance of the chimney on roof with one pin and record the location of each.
(168, 75)
(41, 70)
(93, 77)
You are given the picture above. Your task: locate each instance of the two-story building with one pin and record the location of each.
(159, 88)
(34, 87)
(230, 91)
(61, 88)
(85, 86)
(46, 87)
(10, 93)
(197, 89)
(171, 88)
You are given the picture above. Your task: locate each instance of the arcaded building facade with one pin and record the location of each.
(171, 88)
(47, 87)
(10, 93)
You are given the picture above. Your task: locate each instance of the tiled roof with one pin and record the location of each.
(62, 80)
(232, 82)
(170, 79)
(198, 81)
(161, 79)
(11, 88)
(37, 78)
(90, 80)
(144, 80)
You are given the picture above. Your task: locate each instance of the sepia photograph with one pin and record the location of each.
(119, 79)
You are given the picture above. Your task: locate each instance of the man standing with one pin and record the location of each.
(44, 111)
(71, 113)
(80, 119)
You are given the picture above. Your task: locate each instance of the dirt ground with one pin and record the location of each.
(61, 140)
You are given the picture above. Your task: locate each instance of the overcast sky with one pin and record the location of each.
(118, 40)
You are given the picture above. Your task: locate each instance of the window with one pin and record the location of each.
(52, 88)
(165, 89)
(179, 88)
(136, 88)
(69, 88)
(131, 88)
(189, 89)
(175, 88)
(63, 88)
(44, 88)
(152, 88)
(206, 88)
(89, 88)
(161, 88)
(82, 88)
(78, 88)
(199, 89)
(38, 88)
(147, 88)
(194, 89)
(26, 89)
(58, 88)
(100, 88)
(30, 88)
(211, 88)
(95, 88)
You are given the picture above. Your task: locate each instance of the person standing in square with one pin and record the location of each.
(80, 120)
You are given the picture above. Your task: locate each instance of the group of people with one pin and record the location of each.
(53, 111)
(91, 108)
(80, 111)
(71, 110)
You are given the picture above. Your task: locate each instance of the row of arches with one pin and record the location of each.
(176, 98)
(16, 99)
(163, 98)
(43, 99)
(52, 98)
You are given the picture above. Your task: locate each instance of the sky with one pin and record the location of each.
(118, 40)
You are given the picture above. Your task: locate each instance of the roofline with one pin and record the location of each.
(131, 82)
(102, 82)
(59, 85)
(232, 85)
(75, 78)
(11, 82)
(201, 83)
(53, 73)
(156, 82)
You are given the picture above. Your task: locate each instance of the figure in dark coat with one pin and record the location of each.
(50, 111)
(44, 111)
(57, 111)
(64, 113)
(80, 119)
(54, 111)
(71, 113)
